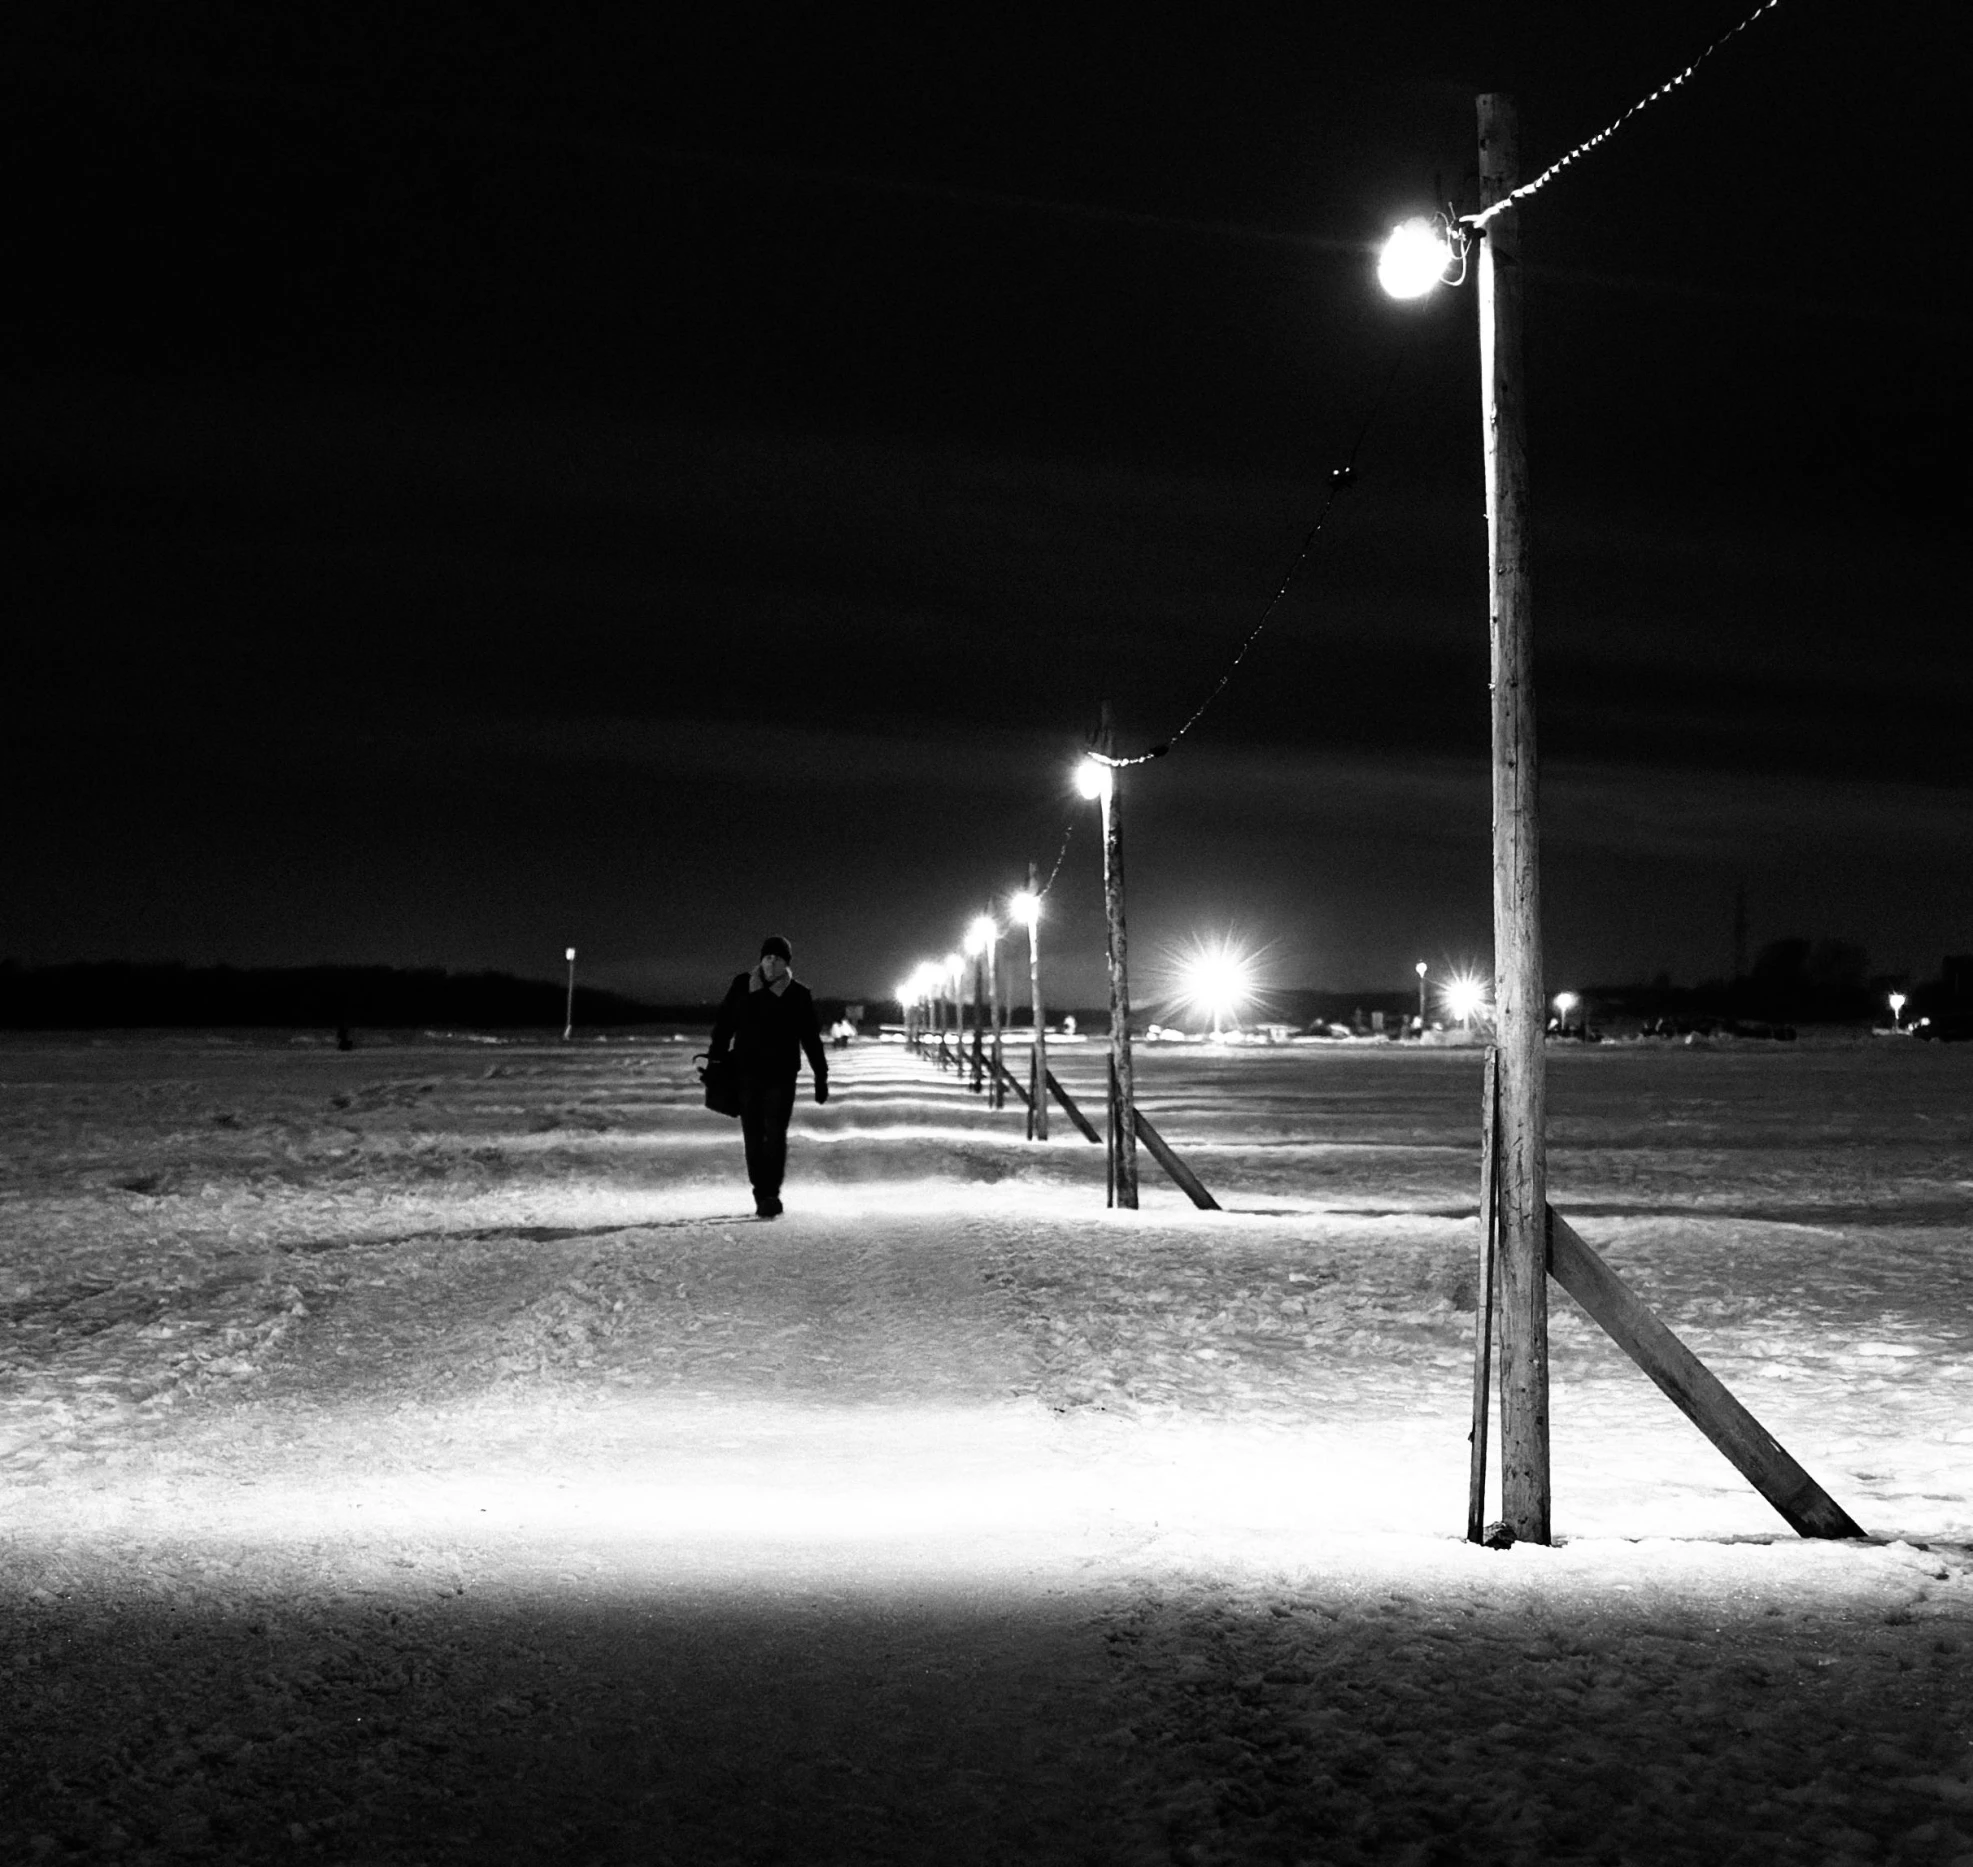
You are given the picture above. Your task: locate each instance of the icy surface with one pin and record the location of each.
(418, 1454)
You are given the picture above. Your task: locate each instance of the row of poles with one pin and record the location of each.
(1516, 1232)
(1522, 1241)
(934, 1008)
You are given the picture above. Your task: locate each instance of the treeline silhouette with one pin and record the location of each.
(1802, 982)
(115, 995)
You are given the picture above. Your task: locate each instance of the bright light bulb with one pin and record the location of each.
(1026, 907)
(1093, 778)
(1465, 998)
(1414, 259)
(1566, 1002)
(982, 934)
(1216, 980)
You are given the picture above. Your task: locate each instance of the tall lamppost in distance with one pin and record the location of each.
(1420, 255)
(1027, 910)
(568, 1016)
(1897, 1003)
(1419, 969)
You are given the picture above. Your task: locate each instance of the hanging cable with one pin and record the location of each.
(1651, 97)
(1340, 480)
(1068, 830)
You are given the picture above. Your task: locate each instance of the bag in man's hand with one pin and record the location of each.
(721, 1077)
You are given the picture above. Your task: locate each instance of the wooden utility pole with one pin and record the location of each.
(1476, 1479)
(997, 1016)
(1038, 1051)
(979, 1021)
(1123, 1112)
(1520, 1169)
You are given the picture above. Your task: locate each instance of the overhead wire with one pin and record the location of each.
(1603, 135)
(1343, 477)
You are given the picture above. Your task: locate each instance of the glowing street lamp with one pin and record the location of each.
(568, 1016)
(1419, 969)
(1418, 256)
(1897, 1003)
(1565, 1003)
(1026, 908)
(1465, 999)
(1217, 979)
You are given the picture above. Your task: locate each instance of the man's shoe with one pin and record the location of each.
(767, 1208)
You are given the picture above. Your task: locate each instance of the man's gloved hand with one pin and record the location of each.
(822, 1089)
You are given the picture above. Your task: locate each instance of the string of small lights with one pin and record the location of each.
(1068, 830)
(1340, 480)
(1602, 136)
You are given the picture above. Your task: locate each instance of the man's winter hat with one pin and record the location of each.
(778, 947)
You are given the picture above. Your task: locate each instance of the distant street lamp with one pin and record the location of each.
(1465, 999)
(1897, 1010)
(1216, 978)
(1419, 969)
(1565, 1002)
(1026, 907)
(568, 1018)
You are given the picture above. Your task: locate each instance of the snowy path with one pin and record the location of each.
(516, 1498)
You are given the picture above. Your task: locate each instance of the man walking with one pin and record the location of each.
(768, 1023)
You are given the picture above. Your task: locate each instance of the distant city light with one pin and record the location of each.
(1465, 998)
(1415, 258)
(1216, 981)
(1094, 778)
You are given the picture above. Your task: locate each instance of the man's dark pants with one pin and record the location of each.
(765, 1109)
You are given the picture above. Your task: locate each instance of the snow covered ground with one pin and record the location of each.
(417, 1454)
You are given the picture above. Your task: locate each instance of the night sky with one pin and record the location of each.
(484, 478)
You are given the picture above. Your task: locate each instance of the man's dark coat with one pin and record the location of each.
(768, 1032)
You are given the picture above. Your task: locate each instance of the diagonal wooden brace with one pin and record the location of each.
(1188, 1181)
(1075, 1114)
(1008, 1077)
(1692, 1387)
